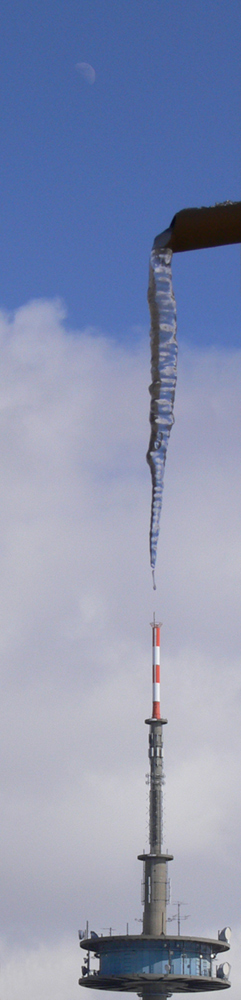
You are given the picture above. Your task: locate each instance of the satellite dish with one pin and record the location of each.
(223, 970)
(225, 934)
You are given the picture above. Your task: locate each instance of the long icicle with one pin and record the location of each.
(162, 307)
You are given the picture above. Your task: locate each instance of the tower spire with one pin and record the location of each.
(156, 633)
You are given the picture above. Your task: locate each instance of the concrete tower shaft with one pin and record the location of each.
(155, 864)
(156, 782)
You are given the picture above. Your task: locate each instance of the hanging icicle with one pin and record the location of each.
(164, 375)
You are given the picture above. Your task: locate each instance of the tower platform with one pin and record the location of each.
(155, 966)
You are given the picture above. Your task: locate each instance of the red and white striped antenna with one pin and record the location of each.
(156, 666)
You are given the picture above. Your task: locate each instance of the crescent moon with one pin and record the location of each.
(87, 71)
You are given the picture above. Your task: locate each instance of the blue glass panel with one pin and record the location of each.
(157, 957)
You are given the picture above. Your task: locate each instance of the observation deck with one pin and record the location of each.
(154, 966)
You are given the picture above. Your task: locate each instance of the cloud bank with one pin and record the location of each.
(76, 601)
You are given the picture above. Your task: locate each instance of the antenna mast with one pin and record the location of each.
(155, 875)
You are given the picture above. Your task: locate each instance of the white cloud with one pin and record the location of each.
(49, 971)
(76, 601)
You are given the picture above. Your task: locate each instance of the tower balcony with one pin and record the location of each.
(153, 966)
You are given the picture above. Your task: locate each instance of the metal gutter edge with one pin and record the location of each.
(198, 228)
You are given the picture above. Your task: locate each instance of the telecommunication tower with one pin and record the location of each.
(155, 964)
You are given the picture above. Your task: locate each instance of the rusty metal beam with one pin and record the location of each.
(197, 228)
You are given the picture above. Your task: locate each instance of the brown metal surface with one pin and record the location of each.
(197, 228)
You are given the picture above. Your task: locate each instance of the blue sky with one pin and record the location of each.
(89, 174)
